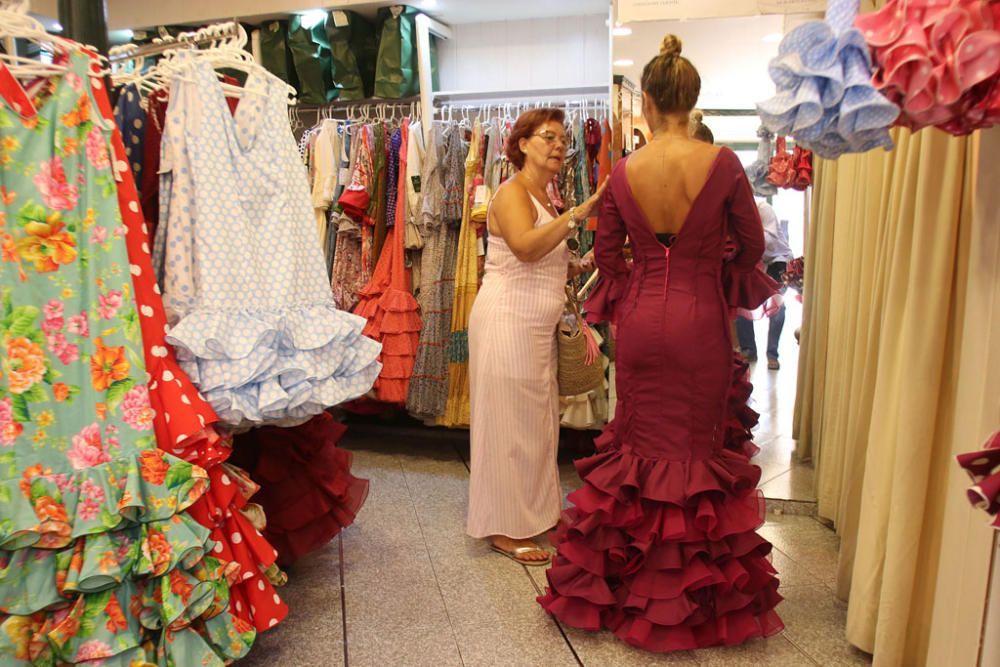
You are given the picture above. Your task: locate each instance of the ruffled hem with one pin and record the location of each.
(603, 301)
(825, 98)
(394, 321)
(746, 290)
(239, 541)
(180, 617)
(938, 63)
(52, 510)
(95, 563)
(307, 489)
(664, 553)
(741, 418)
(259, 366)
(983, 468)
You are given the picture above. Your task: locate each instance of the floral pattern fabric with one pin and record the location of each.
(97, 564)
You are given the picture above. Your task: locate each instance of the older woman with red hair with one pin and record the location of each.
(514, 492)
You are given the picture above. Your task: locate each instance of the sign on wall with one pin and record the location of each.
(659, 10)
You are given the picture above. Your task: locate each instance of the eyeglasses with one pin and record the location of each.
(551, 138)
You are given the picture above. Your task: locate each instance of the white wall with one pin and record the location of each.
(518, 55)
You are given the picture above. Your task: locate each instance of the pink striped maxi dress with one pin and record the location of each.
(514, 486)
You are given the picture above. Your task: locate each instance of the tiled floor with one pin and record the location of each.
(404, 586)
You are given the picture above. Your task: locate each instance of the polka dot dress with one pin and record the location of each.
(244, 285)
(183, 423)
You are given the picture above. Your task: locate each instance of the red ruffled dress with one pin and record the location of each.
(307, 489)
(983, 467)
(661, 545)
(183, 424)
(391, 310)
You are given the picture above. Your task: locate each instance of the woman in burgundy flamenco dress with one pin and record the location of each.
(661, 547)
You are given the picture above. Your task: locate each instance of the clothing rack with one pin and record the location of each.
(209, 35)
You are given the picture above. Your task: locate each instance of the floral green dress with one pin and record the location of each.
(98, 564)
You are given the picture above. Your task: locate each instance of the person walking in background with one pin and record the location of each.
(777, 254)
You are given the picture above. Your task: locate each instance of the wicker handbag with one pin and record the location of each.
(580, 367)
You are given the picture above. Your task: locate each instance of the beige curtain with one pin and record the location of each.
(887, 272)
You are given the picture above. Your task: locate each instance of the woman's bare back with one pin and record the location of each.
(665, 178)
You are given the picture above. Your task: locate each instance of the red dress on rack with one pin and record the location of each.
(661, 545)
(183, 424)
(391, 310)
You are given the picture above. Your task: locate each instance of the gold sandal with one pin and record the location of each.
(514, 555)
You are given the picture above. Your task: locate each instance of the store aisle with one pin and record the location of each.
(404, 586)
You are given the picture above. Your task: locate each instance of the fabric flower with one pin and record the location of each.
(99, 235)
(97, 150)
(9, 429)
(108, 304)
(61, 391)
(91, 490)
(47, 245)
(87, 450)
(153, 467)
(136, 409)
(78, 325)
(25, 365)
(107, 366)
(52, 186)
(88, 510)
(66, 352)
(95, 651)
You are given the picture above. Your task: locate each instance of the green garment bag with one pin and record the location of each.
(353, 50)
(276, 57)
(396, 73)
(313, 65)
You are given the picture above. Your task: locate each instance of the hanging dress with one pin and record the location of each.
(429, 384)
(183, 424)
(466, 286)
(254, 322)
(80, 473)
(388, 305)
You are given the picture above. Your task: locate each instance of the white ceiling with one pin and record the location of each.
(135, 14)
(731, 54)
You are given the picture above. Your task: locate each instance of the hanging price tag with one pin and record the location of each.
(340, 19)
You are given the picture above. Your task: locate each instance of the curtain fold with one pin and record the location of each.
(886, 312)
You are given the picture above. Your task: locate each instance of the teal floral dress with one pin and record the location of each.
(98, 563)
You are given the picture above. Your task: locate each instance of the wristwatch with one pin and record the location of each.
(572, 219)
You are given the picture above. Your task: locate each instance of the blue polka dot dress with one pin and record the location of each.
(244, 278)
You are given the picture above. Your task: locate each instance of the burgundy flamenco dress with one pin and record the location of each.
(660, 546)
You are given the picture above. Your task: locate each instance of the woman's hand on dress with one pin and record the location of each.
(589, 207)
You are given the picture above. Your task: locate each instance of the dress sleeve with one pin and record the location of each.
(745, 284)
(744, 221)
(608, 245)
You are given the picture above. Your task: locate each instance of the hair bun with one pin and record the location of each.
(697, 116)
(670, 47)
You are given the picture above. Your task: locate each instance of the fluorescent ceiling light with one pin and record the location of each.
(312, 17)
(428, 4)
(772, 37)
(624, 62)
(621, 31)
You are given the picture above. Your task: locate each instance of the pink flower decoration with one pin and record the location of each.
(78, 325)
(119, 231)
(66, 352)
(95, 651)
(9, 429)
(114, 442)
(136, 410)
(51, 325)
(75, 81)
(87, 450)
(53, 309)
(88, 509)
(99, 235)
(97, 150)
(52, 186)
(108, 304)
(91, 490)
